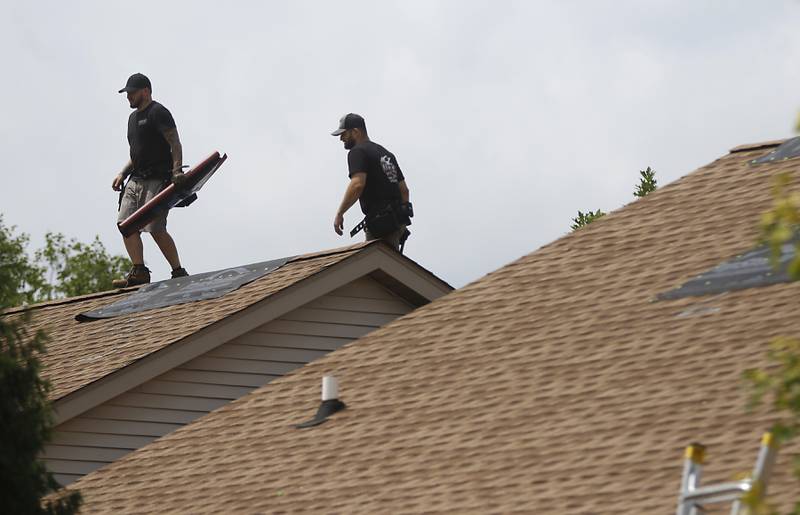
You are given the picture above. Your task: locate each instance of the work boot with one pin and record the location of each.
(139, 274)
(179, 272)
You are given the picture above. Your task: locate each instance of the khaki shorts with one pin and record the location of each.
(137, 193)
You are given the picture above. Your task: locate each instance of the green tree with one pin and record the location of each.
(26, 418)
(21, 281)
(73, 268)
(585, 219)
(76, 268)
(778, 384)
(647, 183)
(62, 268)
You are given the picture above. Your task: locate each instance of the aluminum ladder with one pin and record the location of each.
(693, 496)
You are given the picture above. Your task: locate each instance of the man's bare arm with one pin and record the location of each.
(116, 185)
(354, 189)
(171, 135)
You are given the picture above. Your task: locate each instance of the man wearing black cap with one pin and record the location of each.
(156, 159)
(377, 182)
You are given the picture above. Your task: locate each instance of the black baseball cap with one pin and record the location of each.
(136, 82)
(350, 121)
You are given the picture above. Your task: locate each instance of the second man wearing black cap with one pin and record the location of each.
(377, 182)
(156, 159)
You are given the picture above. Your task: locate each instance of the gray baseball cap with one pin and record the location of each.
(350, 121)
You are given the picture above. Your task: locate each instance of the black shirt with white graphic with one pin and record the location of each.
(150, 152)
(383, 174)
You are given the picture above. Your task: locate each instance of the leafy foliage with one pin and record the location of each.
(779, 225)
(781, 384)
(782, 387)
(63, 268)
(780, 381)
(76, 268)
(20, 279)
(25, 412)
(647, 183)
(585, 219)
(27, 424)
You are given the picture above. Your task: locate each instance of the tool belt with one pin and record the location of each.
(154, 172)
(385, 219)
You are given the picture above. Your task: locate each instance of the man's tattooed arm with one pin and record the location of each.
(171, 135)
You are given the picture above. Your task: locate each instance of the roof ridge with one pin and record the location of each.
(755, 146)
(332, 252)
(118, 291)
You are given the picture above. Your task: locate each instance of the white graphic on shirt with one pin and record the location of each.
(389, 169)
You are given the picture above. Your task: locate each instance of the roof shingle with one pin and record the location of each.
(79, 353)
(556, 384)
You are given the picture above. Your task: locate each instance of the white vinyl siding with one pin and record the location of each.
(231, 370)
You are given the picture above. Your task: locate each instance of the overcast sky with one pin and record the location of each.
(506, 117)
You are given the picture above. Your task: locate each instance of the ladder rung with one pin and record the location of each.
(718, 493)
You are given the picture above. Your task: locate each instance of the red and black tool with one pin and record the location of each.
(172, 195)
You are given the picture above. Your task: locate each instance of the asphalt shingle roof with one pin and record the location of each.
(556, 384)
(79, 353)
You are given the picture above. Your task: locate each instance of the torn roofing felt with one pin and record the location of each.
(208, 285)
(749, 270)
(786, 150)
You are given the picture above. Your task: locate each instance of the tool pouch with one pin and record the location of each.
(388, 218)
(382, 221)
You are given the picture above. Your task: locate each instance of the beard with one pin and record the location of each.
(349, 144)
(135, 100)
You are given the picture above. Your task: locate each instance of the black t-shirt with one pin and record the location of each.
(383, 174)
(150, 152)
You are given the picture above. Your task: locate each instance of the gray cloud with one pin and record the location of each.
(507, 117)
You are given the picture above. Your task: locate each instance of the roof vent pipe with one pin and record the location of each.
(330, 403)
(330, 388)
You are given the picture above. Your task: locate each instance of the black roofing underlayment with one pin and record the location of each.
(786, 150)
(208, 285)
(749, 270)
